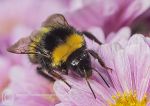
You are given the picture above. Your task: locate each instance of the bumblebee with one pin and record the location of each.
(58, 47)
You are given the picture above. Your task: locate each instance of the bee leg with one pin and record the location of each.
(40, 71)
(101, 62)
(92, 37)
(58, 76)
(86, 79)
(64, 71)
(101, 77)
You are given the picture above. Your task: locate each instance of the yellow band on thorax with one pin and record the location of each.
(63, 51)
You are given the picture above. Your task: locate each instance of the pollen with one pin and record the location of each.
(128, 99)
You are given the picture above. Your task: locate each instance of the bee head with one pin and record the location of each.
(81, 65)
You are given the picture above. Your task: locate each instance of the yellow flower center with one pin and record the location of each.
(128, 99)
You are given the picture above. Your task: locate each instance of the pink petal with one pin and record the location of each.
(61, 90)
(135, 9)
(30, 87)
(139, 51)
(107, 52)
(4, 74)
(121, 36)
(85, 17)
(98, 33)
(65, 104)
(81, 98)
(104, 14)
(4, 70)
(148, 40)
(103, 94)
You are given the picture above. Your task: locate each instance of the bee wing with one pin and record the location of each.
(55, 19)
(20, 47)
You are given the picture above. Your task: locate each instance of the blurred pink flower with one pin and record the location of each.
(142, 24)
(29, 13)
(4, 80)
(130, 78)
(110, 15)
(30, 87)
(121, 36)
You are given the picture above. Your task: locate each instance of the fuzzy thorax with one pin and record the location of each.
(63, 51)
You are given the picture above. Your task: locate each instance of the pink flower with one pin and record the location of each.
(129, 80)
(121, 36)
(28, 88)
(4, 79)
(110, 15)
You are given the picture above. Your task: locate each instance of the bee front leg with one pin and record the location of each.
(41, 71)
(58, 76)
(92, 37)
(96, 56)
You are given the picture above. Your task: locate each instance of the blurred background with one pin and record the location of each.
(18, 18)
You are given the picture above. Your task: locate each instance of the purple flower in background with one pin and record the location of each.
(29, 89)
(110, 15)
(130, 78)
(28, 13)
(121, 36)
(4, 80)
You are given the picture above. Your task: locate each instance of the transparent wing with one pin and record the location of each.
(20, 47)
(54, 19)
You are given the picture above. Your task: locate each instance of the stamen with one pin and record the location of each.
(128, 99)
